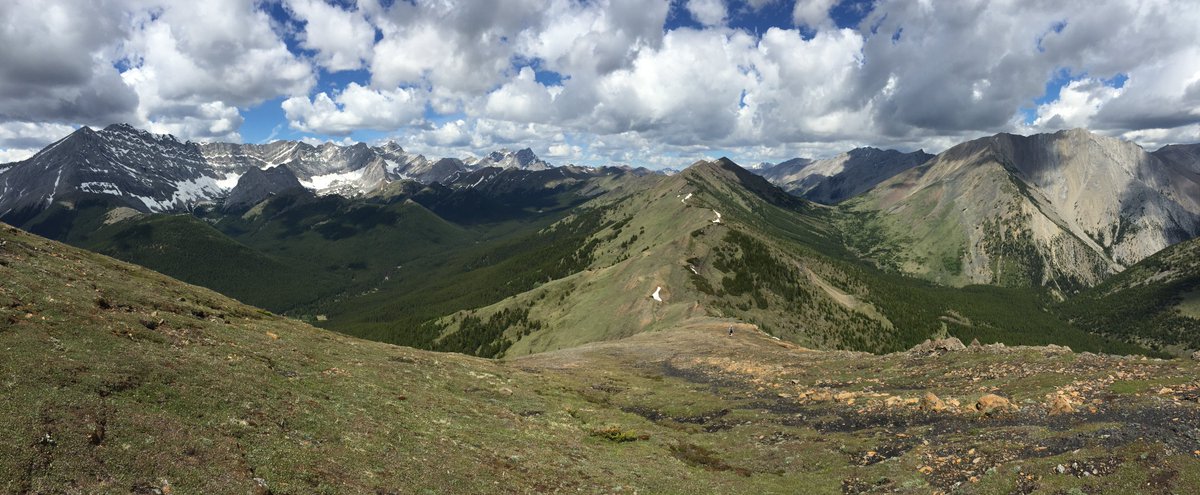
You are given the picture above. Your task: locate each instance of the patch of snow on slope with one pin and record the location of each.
(656, 296)
(685, 198)
(201, 188)
(718, 220)
(229, 181)
(323, 182)
(100, 188)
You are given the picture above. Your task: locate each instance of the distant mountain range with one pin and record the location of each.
(159, 173)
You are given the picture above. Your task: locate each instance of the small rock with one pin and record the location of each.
(931, 402)
(990, 403)
(1196, 356)
(1060, 469)
(820, 396)
(260, 487)
(1061, 405)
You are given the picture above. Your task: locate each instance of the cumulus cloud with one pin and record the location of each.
(812, 13)
(48, 69)
(708, 12)
(1078, 102)
(356, 107)
(20, 140)
(342, 38)
(193, 63)
(607, 79)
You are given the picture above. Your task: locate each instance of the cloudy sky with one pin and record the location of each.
(649, 82)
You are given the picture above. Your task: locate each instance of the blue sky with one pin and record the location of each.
(646, 82)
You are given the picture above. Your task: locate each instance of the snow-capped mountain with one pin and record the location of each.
(147, 172)
(151, 172)
(327, 168)
(523, 159)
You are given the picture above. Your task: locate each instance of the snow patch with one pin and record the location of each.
(324, 182)
(100, 188)
(229, 181)
(718, 220)
(693, 269)
(656, 296)
(685, 198)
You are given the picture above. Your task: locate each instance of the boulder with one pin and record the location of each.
(948, 344)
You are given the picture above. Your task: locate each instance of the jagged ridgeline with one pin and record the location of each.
(716, 240)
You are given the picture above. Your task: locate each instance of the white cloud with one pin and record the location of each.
(193, 63)
(708, 12)
(1078, 102)
(21, 140)
(564, 151)
(342, 38)
(356, 107)
(911, 74)
(522, 99)
(812, 13)
(31, 134)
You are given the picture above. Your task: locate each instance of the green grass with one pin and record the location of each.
(118, 379)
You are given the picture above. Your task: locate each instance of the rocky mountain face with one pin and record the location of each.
(145, 171)
(833, 180)
(1063, 209)
(256, 185)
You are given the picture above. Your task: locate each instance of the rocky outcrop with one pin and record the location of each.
(257, 185)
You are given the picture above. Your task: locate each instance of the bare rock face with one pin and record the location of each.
(257, 185)
(144, 171)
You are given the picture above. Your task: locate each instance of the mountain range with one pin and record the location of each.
(287, 318)
(159, 173)
(494, 256)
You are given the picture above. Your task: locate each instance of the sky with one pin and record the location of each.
(657, 83)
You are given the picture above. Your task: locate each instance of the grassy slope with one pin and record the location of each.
(117, 379)
(1148, 302)
(774, 261)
